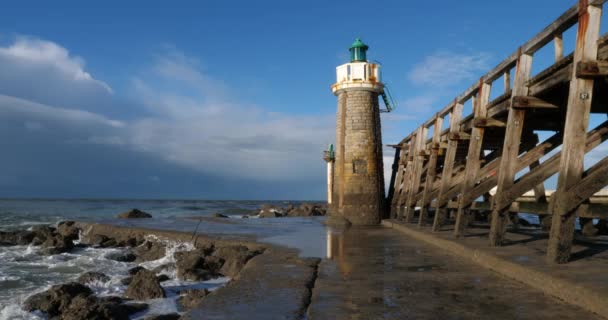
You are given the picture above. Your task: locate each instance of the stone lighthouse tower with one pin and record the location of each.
(358, 188)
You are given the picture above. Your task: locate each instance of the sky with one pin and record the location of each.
(223, 99)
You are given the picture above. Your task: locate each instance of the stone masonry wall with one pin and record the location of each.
(359, 174)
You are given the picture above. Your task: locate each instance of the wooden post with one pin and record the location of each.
(406, 177)
(416, 174)
(558, 43)
(510, 150)
(431, 170)
(448, 167)
(473, 156)
(575, 131)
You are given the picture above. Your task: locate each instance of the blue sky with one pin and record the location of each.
(222, 99)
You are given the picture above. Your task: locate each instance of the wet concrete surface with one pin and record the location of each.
(378, 273)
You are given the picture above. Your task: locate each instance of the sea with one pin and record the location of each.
(24, 272)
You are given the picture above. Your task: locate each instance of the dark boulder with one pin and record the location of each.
(68, 230)
(144, 286)
(96, 240)
(170, 316)
(105, 308)
(190, 265)
(191, 298)
(162, 278)
(150, 250)
(307, 210)
(134, 214)
(16, 238)
(133, 271)
(57, 244)
(235, 258)
(121, 256)
(270, 211)
(219, 215)
(92, 276)
(126, 281)
(42, 233)
(57, 299)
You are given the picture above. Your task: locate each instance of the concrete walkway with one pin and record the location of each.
(379, 273)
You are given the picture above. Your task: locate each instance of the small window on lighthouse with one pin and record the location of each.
(359, 166)
(348, 71)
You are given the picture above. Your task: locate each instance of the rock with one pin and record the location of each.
(110, 243)
(213, 264)
(133, 271)
(105, 308)
(16, 238)
(337, 221)
(149, 251)
(162, 278)
(130, 242)
(57, 299)
(190, 265)
(219, 215)
(164, 267)
(57, 244)
(170, 316)
(144, 286)
(126, 281)
(121, 256)
(92, 276)
(97, 239)
(43, 232)
(192, 298)
(307, 210)
(68, 230)
(235, 258)
(270, 211)
(134, 214)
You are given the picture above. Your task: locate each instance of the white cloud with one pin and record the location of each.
(447, 68)
(36, 52)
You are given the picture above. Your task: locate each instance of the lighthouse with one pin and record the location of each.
(358, 184)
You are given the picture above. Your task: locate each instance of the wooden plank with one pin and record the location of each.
(511, 147)
(575, 131)
(587, 210)
(595, 179)
(408, 165)
(455, 136)
(473, 155)
(431, 172)
(526, 102)
(416, 175)
(592, 69)
(448, 167)
(489, 172)
(488, 123)
(546, 169)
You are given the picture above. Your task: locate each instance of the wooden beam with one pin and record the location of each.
(580, 97)
(448, 167)
(592, 69)
(473, 155)
(455, 136)
(416, 175)
(488, 123)
(511, 148)
(521, 102)
(596, 178)
(431, 171)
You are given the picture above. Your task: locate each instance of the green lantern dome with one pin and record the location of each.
(358, 51)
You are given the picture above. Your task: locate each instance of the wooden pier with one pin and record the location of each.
(490, 160)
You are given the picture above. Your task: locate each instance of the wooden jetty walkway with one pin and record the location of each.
(495, 154)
